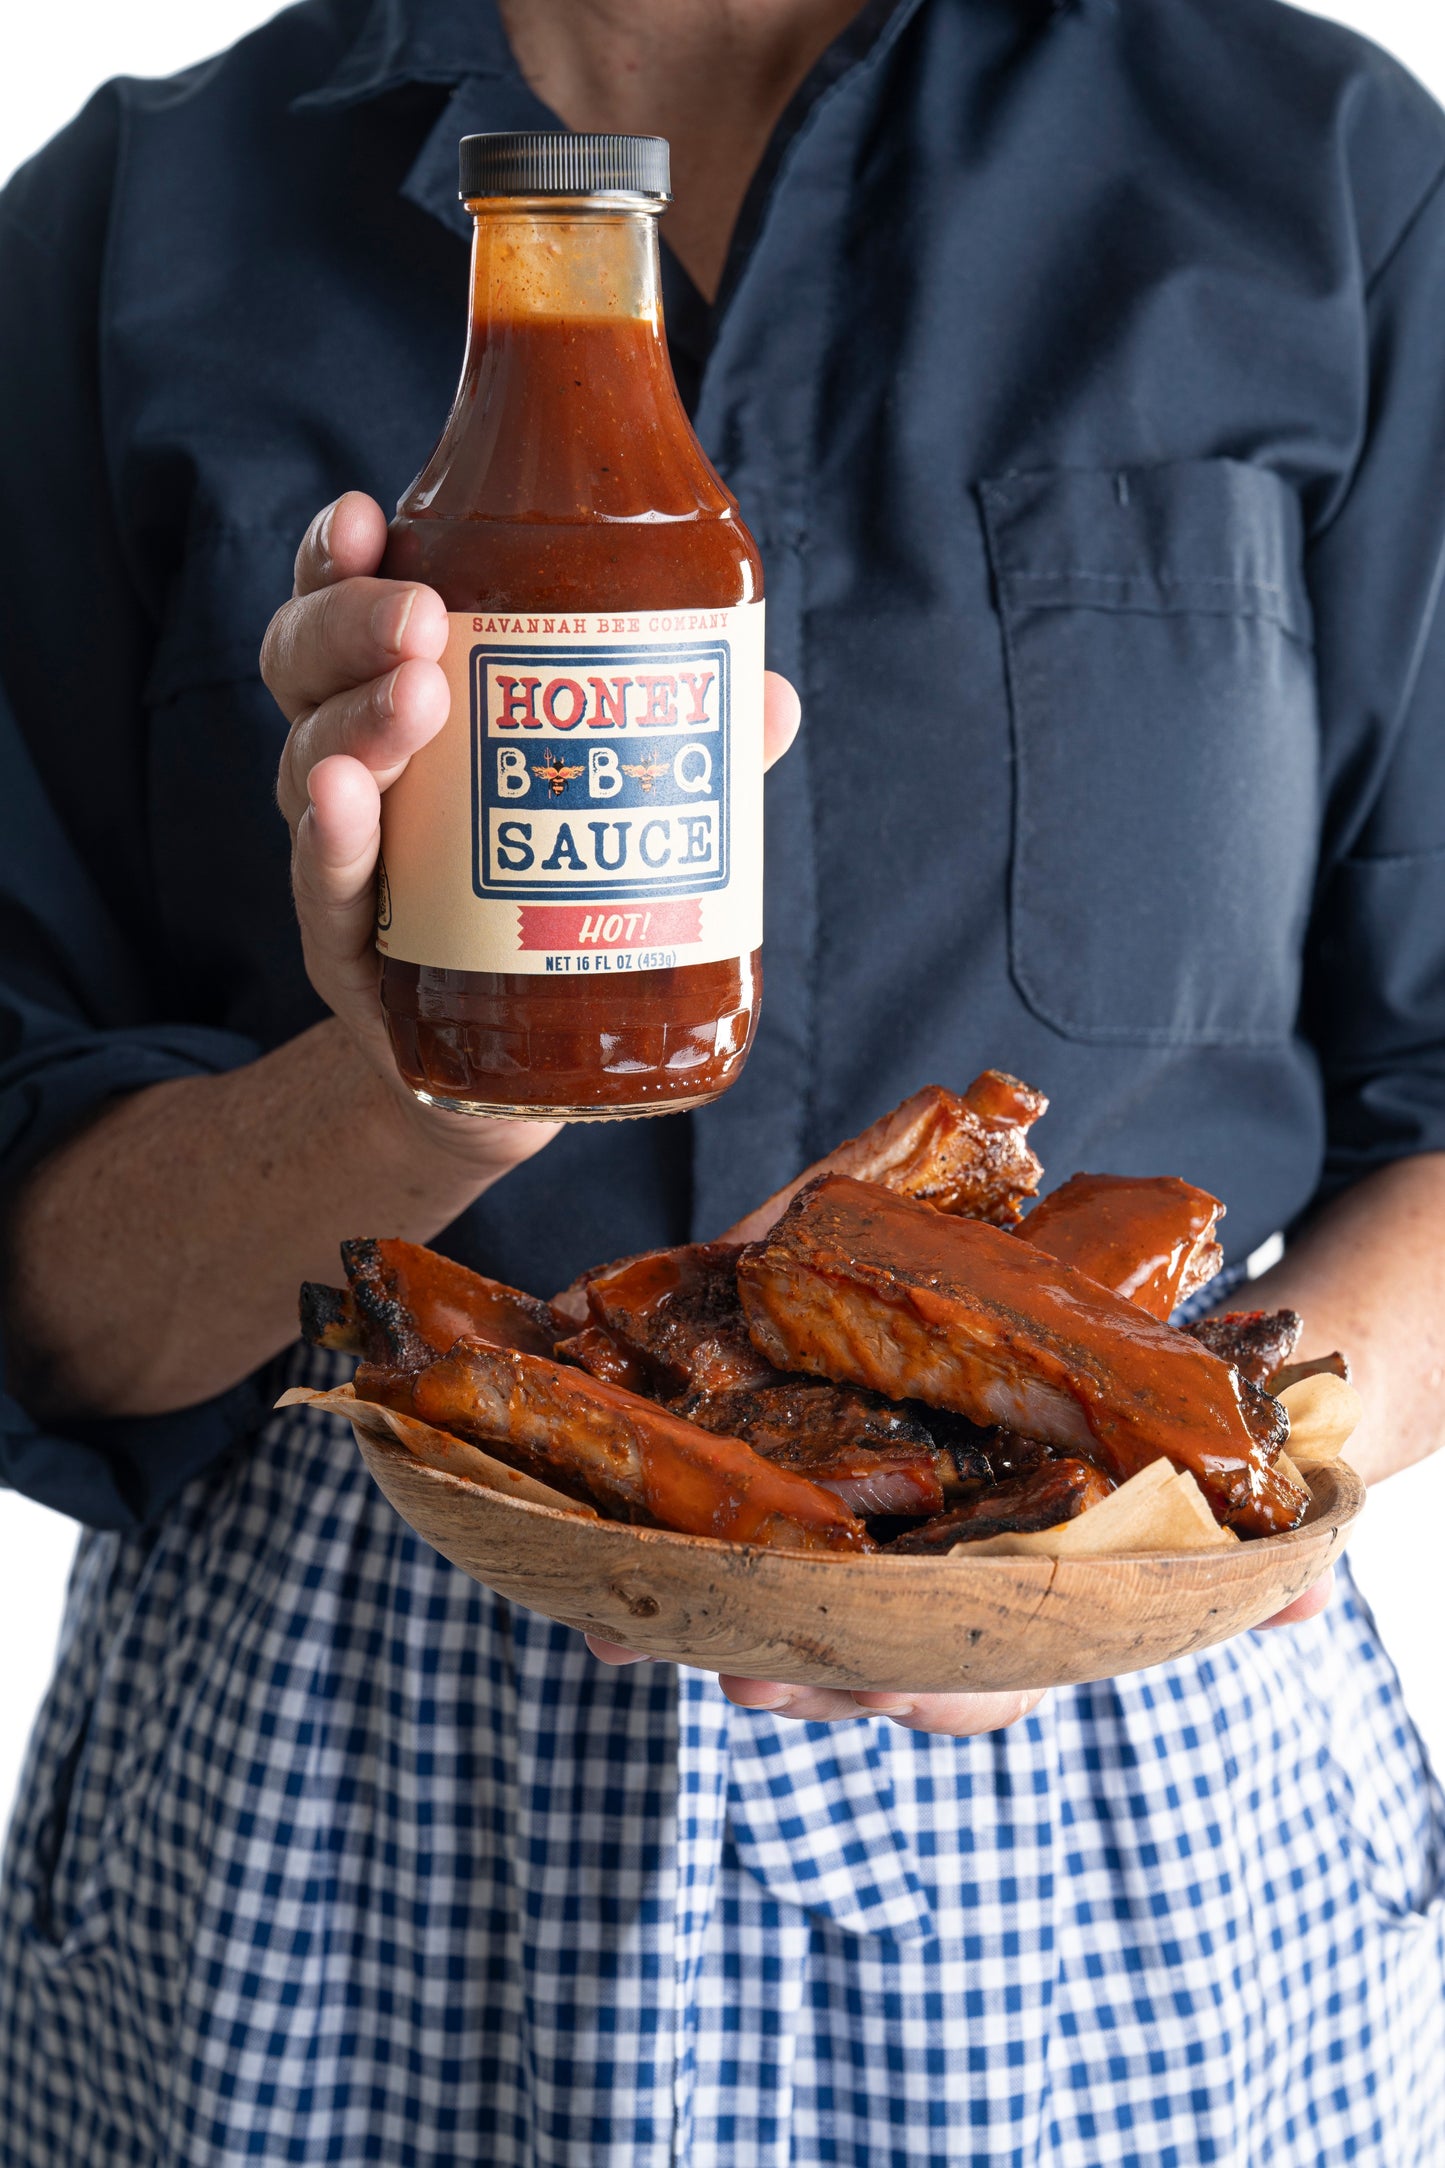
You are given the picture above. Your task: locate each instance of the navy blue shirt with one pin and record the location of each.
(1078, 368)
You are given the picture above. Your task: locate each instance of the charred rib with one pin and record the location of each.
(410, 1305)
(626, 1455)
(870, 1289)
(1055, 1491)
(678, 1311)
(1257, 1342)
(868, 1452)
(965, 1154)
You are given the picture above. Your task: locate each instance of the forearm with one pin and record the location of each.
(155, 1260)
(1368, 1276)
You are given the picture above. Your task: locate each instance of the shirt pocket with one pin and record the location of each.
(1165, 741)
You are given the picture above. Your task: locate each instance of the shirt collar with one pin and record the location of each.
(415, 41)
(443, 41)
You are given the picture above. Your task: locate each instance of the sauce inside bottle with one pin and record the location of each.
(605, 600)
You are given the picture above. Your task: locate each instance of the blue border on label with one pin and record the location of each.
(630, 891)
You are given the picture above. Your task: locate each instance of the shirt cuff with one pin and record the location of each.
(123, 1472)
(47, 1095)
(114, 1472)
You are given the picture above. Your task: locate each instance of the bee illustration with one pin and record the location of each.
(556, 774)
(645, 772)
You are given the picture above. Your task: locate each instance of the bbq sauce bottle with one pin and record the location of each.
(570, 900)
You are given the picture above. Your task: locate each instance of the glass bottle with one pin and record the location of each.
(570, 902)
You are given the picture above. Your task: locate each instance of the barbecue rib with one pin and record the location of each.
(870, 1289)
(1148, 1238)
(594, 1349)
(405, 1304)
(877, 1458)
(1010, 1454)
(968, 1155)
(679, 1311)
(1057, 1490)
(1257, 1342)
(626, 1455)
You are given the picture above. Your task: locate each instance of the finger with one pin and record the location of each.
(610, 1652)
(1308, 1606)
(342, 637)
(333, 865)
(951, 1716)
(381, 725)
(346, 537)
(782, 713)
(809, 1704)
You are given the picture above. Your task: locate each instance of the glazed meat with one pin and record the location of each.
(594, 1349)
(1009, 1454)
(403, 1305)
(870, 1453)
(632, 1459)
(1257, 1342)
(870, 1289)
(968, 1155)
(679, 1311)
(1055, 1491)
(1149, 1238)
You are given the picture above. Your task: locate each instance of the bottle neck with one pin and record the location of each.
(567, 407)
(538, 261)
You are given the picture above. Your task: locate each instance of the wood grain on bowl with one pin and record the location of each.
(952, 1624)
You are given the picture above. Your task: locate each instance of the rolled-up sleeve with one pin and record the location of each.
(86, 1013)
(1375, 976)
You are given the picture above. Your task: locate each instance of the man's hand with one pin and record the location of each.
(353, 663)
(953, 1716)
(1305, 1607)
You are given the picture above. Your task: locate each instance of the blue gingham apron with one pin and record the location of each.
(324, 1853)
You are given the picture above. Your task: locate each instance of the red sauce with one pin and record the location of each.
(1137, 1235)
(569, 477)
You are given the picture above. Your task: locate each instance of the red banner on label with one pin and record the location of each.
(610, 926)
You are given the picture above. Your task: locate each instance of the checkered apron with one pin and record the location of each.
(324, 1853)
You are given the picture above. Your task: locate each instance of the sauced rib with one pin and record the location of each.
(871, 1454)
(1011, 1455)
(1257, 1342)
(1057, 1490)
(968, 1154)
(870, 1289)
(596, 1350)
(1149, 1238)
(679, 1310)
(405, 1304)
(633, 1459)
(328, 1318)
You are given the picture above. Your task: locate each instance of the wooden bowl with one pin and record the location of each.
(938, 1625)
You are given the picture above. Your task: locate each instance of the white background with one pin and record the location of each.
(50, 60)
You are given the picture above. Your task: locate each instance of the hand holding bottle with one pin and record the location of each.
(352, 663)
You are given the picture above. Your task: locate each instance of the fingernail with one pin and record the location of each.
(886, 1705)
(391, 617)
(323, 537)
(386, 693)
(773, 1704)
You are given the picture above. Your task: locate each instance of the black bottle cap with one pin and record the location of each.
(555, 163)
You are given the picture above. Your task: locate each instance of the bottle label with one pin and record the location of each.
(594, 801)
